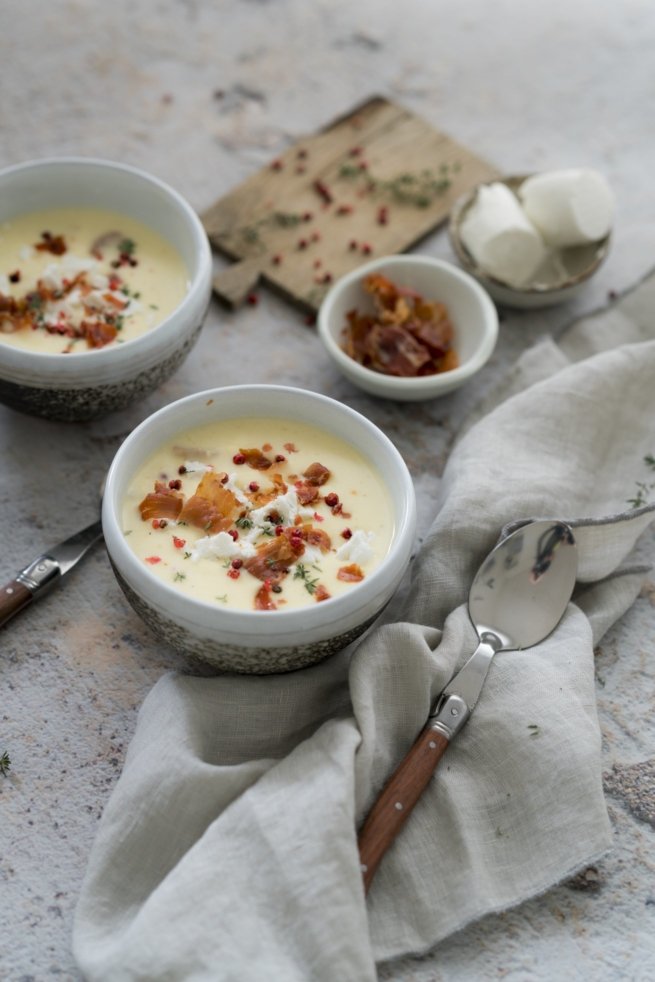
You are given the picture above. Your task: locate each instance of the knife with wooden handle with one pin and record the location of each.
(46, 571)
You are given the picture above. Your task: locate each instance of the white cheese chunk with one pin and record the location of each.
(357, 549)
(569, 207)
(500, 237)
(221, 546)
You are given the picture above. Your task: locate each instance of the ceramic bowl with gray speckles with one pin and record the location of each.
(258, 641)
(91, 383)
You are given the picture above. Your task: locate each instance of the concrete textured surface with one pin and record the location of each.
(202, 95)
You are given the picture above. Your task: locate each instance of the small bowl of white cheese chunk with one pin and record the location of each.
(259, 528)
(534, 240)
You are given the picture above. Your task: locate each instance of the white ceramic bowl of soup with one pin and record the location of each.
(83, 384)
(470, 309)
(249, 640)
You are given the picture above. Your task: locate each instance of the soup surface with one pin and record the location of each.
(72, 280)
(259, 514)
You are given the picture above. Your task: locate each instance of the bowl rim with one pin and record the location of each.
(254, 621)
(513, 181)
(427, 383)
(167, 330)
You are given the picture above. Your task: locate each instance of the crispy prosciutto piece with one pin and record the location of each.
(262, 497)
(352, 573)
(213, 507)
(256, 459)
(435, 331)
(313, 536)
(161, 503)
(273, 558)
(316, 474)
(263, 598)
(306, 492)
(98, 333)
(394, 351)
(384, 291)
(56, 244)
(321, 593)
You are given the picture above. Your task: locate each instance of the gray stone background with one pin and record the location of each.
(202, 95)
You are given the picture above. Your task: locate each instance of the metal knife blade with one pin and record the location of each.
(46, 570)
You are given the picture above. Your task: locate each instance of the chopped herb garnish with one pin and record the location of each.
(223, 598)
(5, 764)
(244, 523)
(419, 189)
(187, 555)
(301, 573)
(179, 576)
(127, 532)
(127, 246)
(644, 488)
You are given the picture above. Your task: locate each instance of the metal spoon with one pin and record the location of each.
(517, 598)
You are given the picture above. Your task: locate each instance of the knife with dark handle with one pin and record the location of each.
(46, 571)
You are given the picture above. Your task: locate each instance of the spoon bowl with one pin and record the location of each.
(521, 590)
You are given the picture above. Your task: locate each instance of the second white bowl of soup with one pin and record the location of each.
(105, 278)
(260, 528)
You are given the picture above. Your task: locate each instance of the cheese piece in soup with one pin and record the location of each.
(259, 514)
(76, 279)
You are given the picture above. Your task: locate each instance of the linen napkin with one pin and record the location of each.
(228, 848)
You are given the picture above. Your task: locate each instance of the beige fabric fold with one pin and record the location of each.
(228, 848)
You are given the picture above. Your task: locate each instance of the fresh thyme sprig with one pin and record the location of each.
(418, 189)
(644, 488)
(302, 573)
(281, 219)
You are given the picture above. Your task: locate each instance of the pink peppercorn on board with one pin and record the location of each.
(374, 182)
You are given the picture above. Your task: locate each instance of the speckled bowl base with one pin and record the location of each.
(234, 658)
(76, 405)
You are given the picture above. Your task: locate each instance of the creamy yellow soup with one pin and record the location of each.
(258, 514)
(78, 279)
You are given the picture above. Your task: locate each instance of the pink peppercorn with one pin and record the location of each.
(346, 534)
(239, 458)
(253, 486)
(331, 499)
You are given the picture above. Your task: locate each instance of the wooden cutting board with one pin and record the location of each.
(371, 184)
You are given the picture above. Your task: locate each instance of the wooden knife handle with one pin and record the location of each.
(395, 804)
(13, 597)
